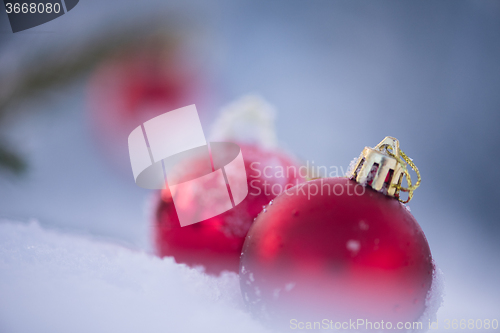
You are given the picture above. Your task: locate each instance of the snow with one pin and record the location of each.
(434, 298)
(352, 164)
(353, 246)
(249, 119)
(56, 282)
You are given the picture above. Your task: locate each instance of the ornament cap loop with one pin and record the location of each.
(383, 167)
(389, 141)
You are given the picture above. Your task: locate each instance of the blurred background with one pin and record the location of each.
(341, 74)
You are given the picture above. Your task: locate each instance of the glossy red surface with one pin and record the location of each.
(339, 256)
(216, 243)
(132, 88)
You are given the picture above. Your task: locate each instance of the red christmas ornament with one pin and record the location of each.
(216, 242)
(336, 249)
(137, 85)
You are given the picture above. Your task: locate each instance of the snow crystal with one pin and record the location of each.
(433, 300)
(352, 164)
(353, 246)
(363, 225)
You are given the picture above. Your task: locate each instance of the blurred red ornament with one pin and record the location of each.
(216, 242)
(332, 248)
(136, 85)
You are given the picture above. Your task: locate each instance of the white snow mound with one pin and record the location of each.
(58, 283)
(55, 282)
(249, 119)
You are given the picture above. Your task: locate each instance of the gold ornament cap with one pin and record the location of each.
(383, 168)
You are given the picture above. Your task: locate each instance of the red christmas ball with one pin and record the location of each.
(135, 86)
(129, 89)
(216, 243)
(331, 248)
